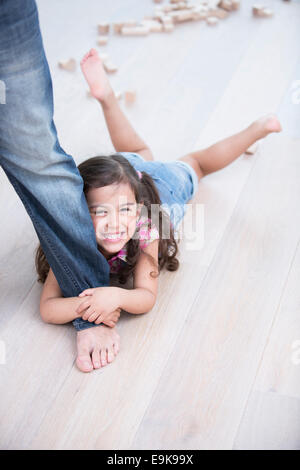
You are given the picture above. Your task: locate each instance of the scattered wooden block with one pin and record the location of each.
(130, 96)
(102, 40)
(235, 4)
(118, 95)
(130, 23)
(103, 28)
(69, 65)
(168, 27)
(117, 27)
(135, 31)
(212, 20)
(181, 16)
(157, 1)
(103, 57)
(200, 12)
(226, 5)
(154, 26)
(218, 13)
(109, 66)
(252, 149)
(261, 11)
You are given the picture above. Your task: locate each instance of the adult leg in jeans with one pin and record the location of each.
(44, 176)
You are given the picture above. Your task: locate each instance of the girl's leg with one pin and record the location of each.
(123, 136)
(222, 153)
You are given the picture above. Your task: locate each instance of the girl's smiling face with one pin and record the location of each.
(114, 212)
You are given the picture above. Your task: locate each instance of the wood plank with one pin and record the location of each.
(202, 394)
(280, 369)
(104, 409)
(271, 422)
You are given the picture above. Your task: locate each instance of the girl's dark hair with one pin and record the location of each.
(101, 171)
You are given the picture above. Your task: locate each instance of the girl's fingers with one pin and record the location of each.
(99, 320)
(83, 306)
(88, 313)
(86, 292)
(93, 317)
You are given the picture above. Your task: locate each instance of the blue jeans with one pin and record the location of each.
(43, 175)
(176, 182)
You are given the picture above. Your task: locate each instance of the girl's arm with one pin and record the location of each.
(55, 308)
(142, 297)
(99, 301)
(123, 136)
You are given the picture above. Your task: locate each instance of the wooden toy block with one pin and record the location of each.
(157, 1)
(252, 149)
(135, 31)
(166, 19)
(235, 4)
(218, 13)
(69, 65)
(226, 5)
(200, 12)
(130, 96)
(154, 26)
(130, 23)
(102, 40)
(103, 57)
(103, 28)
(168, 27)
(181, 16)
(110, 67)
(117, 27)
(212, 20)
(166, 8)
(261, 11)
(118, 95)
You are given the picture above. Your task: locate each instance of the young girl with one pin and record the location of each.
(121, 191)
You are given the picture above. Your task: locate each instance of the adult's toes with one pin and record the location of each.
(103, 357)
(96, 359)
(116, 348)
(110, 355)
(84, 363)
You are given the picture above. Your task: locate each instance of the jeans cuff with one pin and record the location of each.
(82, 324)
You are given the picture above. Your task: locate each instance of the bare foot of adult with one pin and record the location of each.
(267, 124)
(95, 75)
(96, 347)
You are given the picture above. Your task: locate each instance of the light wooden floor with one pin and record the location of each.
(216, 364)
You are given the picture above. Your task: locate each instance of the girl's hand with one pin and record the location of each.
(100, 304)
(113, 318)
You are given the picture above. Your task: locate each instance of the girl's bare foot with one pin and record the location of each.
(96, 347)
(267, 124)
(93, 70)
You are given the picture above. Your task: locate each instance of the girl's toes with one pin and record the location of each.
(93, 52)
